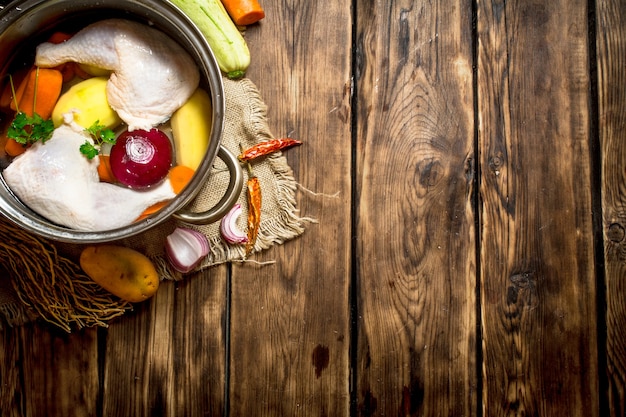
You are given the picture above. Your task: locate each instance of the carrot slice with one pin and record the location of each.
(244, 12)
(179, 176)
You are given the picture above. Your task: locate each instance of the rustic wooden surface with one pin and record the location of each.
(464, 163)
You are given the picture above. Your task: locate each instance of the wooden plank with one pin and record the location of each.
(290, 320)
(10, 372)
(611, 60)
(168, 357)
(537, 258)
(415, 235)
(59, 371)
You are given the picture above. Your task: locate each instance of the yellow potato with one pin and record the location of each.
(88, 99)
(122, 271)
(191, 128)
(95, 71)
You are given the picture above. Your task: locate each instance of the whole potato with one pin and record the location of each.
(88, 102)
(122, 271)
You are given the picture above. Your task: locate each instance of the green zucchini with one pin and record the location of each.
(228, 45)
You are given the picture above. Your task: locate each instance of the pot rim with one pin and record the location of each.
(161, 14)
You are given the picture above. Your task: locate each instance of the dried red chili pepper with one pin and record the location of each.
(267, 147)
(254, 210)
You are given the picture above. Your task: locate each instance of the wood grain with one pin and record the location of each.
(59, 372)
(537, 261)
(611, 61)
(452, 162)
(10, 370)
(290, 320)
(169, 356)
(415, 233)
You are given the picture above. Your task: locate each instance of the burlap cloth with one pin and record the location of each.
(245, 124)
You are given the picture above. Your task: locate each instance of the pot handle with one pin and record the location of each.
(229, 199)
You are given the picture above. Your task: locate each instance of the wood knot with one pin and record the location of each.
(523, 280)
(430, 172)
(616, 233)
(496, 161)
(523, 290)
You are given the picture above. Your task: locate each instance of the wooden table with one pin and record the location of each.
(464, 162)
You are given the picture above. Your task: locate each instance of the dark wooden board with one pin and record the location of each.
(290, 320)
(415, 237)
(168, 358)
(46, 372)
(454, 166)
(538, 295)
(611, 64)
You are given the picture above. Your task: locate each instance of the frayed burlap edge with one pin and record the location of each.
(281, 226)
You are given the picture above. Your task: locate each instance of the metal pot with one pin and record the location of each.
(23, 24)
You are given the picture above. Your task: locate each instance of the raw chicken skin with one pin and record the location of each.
(152, 76)
(59, 183)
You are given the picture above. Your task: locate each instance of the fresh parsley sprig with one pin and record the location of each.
(27, 130)
(100, 135)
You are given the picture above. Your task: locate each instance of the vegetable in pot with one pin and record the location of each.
(33, 101)
(88, 102)
(141, 158)
(191, 129)
(179, 176)
(39, 92)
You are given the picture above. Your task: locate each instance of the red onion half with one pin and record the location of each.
(185, 249)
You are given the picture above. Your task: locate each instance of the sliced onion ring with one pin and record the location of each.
(228, 226)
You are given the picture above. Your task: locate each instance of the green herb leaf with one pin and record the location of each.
(108, 136)
(42, 129)
(89, 150)
(100, 135)
(27, 130)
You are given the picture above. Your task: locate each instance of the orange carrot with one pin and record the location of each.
(151, 210)
(39, 92)
(14, 148)
(244, 12)
(67, 70)
(6, 99)
(59, 37)
(104, 170)
(179, 176)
